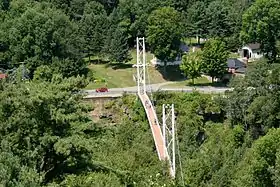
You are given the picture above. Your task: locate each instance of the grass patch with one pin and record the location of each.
(117, 75)
(198, 81)
(234, 55)
(201, 81)
(108, 76)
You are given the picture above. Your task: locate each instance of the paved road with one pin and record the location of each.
(117, 92)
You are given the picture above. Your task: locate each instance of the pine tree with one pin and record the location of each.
(118, 49)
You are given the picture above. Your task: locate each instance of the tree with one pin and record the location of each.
(254, 100)
(261, 23)
(196, 20)
(117, 46)
(4, 4)
(53, 36)
(219, 22)
(134, 14)
(192, 65)
(214, 58)
(93, 25)
(258, 166)
(164, 34)
(236, 9)
(46, 130)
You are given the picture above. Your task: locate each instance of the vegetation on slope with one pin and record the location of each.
(48, 138)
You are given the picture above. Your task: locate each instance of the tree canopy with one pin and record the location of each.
(214, 58)
(165, 31)
(192, 65)
(51, 136)
(261, 24)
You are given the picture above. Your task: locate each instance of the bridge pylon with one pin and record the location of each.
(141, 65)
(168, 130)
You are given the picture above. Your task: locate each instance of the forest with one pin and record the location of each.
(49, 138)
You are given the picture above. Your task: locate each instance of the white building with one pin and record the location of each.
(157, 62)
(184, 48)
(251, 52)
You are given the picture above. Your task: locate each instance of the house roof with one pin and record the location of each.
(235, 63)
(3, 76)
(184, 47)
(253, 46)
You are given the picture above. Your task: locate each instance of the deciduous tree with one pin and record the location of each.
(261, 23)
(197, 20)
(164, 33)
(214, 58)
(45, 128)
(52, 35)
(192, 65)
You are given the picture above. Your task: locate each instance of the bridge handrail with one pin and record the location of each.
(157, 122)
(151, 123)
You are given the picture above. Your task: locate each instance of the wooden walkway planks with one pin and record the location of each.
(154, 125)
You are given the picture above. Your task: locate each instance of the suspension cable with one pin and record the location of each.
(149, 82)
(180, 161)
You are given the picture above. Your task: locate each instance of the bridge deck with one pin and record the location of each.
(154, 125)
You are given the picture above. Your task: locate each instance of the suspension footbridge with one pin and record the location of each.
(164, 133)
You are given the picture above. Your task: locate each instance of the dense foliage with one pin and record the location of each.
(261, 23)
(60, 34)
(214, 58)
(165, 31)
(48, 137)
(192, 65)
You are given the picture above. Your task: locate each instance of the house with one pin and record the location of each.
(183, 47)
(251, 52)
(236, 66)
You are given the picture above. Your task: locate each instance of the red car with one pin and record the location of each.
(101, 90)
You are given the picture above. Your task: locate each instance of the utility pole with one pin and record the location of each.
(168, 129)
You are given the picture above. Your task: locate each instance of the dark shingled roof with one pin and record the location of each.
(184, 47)
(236, 64)
(254, 46)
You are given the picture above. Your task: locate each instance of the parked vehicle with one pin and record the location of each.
(102, 90)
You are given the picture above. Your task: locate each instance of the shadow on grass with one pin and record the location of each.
(214, 84)
(173, 73)
(116, 66)
(99, 61)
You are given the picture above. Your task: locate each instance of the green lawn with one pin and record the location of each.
(197, 82)
(121, 75)
(234, 55)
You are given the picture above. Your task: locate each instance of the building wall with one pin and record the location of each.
(255, 54)
(157, 62)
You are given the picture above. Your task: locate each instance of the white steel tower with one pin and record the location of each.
(141, 63)
(168, 130)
